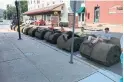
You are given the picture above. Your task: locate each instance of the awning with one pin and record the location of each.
(43, 10)
(81, 10)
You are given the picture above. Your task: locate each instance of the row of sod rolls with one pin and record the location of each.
(105, 53)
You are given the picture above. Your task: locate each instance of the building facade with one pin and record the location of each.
(104, 12)
(49, 7)
(40, 9)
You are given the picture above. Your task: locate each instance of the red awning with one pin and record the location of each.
(42, 10)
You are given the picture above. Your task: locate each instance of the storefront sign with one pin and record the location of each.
(55, 20)
(116, 9)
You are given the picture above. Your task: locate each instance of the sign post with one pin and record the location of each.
(72, 45)
(75, 5)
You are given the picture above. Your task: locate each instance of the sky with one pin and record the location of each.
(3, 3)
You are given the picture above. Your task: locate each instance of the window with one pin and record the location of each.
(38, 1)
(97, 14)
(82, 1)
(53, 2)
(62, 8)
(48, 17)
(82, 16)
(42, 5)
(45, 17)
(61, 0)
(79, 17)
(47, 3)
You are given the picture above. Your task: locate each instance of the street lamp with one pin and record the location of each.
(18, 17)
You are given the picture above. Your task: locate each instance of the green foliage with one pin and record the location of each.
(23, 6)
(11, 10)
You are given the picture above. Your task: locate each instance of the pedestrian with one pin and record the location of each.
(105, 37)
(121, 57)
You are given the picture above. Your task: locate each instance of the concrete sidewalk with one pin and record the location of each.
(31, 60)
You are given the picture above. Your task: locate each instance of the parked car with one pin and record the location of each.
(40, 22)
(30, 21)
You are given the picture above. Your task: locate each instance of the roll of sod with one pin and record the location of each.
(26, 30)
(47, 34)
(115, 41)
(32, 31)
(103, 53)
(61, 42)
(21, 29)
(53, 38)
(77, 43)
(40, 34)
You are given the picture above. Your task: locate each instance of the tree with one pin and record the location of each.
(23, 6)
(10, 12)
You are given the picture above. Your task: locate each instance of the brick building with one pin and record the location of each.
(40, 9)
(104, 12)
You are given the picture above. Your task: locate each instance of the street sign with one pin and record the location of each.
(78, 4)
(75, 5)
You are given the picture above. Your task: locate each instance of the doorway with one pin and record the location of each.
(96, 14)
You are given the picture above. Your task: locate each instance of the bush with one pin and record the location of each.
(63, 24)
